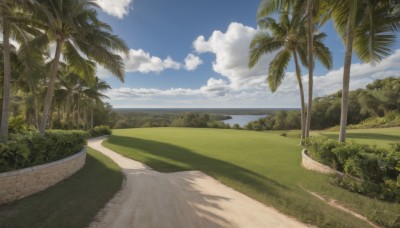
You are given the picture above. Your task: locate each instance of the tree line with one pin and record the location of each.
(379, 100)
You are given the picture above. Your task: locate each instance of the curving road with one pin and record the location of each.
(181, 199)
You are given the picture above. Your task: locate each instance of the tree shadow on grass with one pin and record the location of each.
(165, 157)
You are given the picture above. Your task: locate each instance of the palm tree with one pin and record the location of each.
(316, 13)
(289, 39)
(94, 95)
(15, 20)
(370, 28)
(75, 29)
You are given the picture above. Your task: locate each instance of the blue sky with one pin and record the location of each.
(194, 54)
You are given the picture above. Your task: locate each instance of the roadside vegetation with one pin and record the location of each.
(262, 165)
(73, 202)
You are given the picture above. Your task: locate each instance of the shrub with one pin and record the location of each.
(100, 130)
(377, 170)
(32, 149)
(17, 124)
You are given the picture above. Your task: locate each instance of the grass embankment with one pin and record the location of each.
(262, 165)
(381, 137)
(73, 202)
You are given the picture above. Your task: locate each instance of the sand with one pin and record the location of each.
(181, 199)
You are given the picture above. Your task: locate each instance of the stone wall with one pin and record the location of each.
(24, 182)
(311, 164)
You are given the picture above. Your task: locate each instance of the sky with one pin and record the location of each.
(194, 54)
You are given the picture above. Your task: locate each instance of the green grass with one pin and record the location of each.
(73, 202)
(262, 165)
(381, 137)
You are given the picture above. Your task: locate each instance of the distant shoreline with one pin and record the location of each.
(225, 111)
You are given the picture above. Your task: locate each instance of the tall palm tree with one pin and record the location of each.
(75, 29)
(289, 39)
(94, 94)
(368, 26)
(316, 13)
(15, 24)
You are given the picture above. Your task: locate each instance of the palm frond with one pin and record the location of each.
(277, 69)
(262, 44)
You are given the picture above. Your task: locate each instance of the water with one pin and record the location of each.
(242, 119)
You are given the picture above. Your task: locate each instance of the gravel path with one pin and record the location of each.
(181, 199)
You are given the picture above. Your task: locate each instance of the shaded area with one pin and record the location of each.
(181, 199)
(171, 158)
(277, 185)
(73, 202)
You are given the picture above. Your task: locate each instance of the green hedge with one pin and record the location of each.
(378, 169)
(100, 130)
(30, 149)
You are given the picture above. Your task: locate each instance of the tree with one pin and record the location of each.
(75, 29)
(14, 25)
(94, 94)
(289, 39)
(316, 13)
(368, 26)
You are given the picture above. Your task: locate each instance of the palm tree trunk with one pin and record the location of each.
(91, 118)
(346, 70)
(50, 89)
(85, 124)
(310, 65)
(298, 76)
(6, 81)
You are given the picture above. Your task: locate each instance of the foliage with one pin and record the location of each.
(100, 130)
(17, 124)
(375, 106)
(165, 118)
(379, 169)
(191, 120)
(30, 149)
(281, 120)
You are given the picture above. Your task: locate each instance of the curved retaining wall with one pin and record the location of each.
(24, 182)
(311, 164)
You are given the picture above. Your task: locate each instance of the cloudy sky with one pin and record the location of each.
(193, 54)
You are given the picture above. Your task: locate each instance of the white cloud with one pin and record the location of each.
(220, 93)
(231, 51)
(116, 8)
(192, 62)
(143, 62)
(171, 64)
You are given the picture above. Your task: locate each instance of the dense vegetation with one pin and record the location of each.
(34, 149)
(73, 202)
(378, 105)
(165, 118)
(262, 165)
(378, 168)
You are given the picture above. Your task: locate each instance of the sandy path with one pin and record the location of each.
(181, 199)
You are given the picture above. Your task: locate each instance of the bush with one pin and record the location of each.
(32, 149)
(100, 130)
(372, 171)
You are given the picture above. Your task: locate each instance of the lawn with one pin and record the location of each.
(73, 202)
(262, 165)
(381, 137)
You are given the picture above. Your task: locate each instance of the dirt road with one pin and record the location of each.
(181, 199)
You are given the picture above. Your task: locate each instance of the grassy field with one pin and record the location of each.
(262, 165)
(73, 202)
(381, 137)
